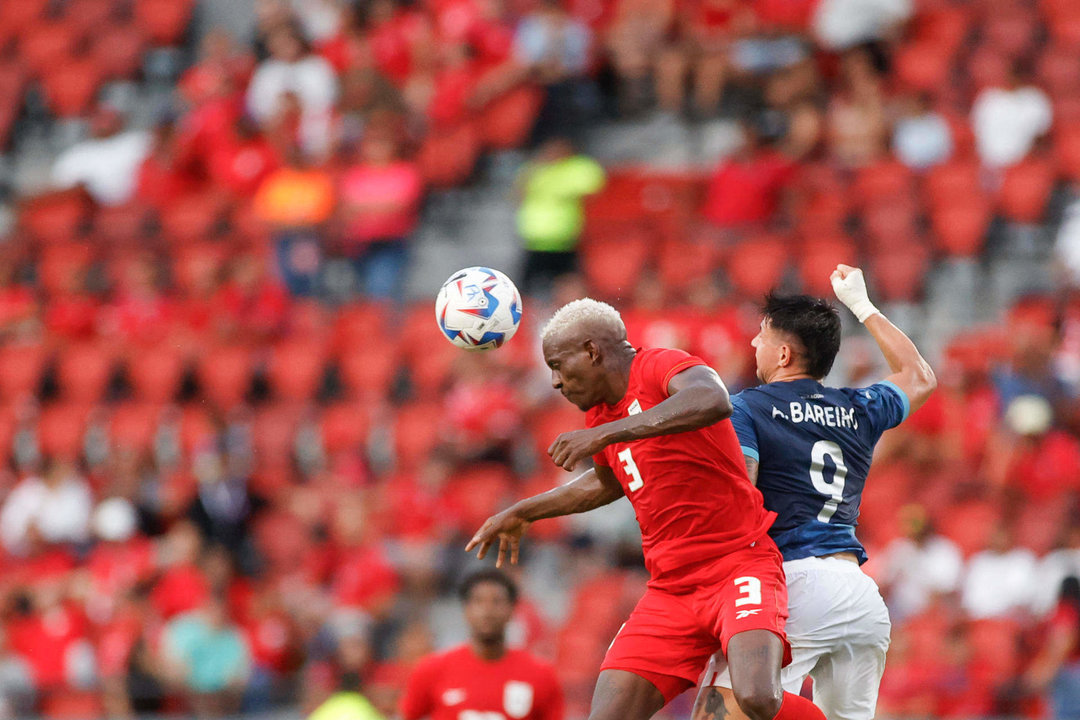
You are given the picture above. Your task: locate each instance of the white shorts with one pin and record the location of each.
(839, 634)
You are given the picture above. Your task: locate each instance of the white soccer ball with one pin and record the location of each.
(478, 308)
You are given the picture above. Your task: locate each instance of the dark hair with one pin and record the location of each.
(813, 321)
(487, 575)
(1070, 591)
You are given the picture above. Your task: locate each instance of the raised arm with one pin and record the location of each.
(594, 488)
(697, 399)
(910, 372)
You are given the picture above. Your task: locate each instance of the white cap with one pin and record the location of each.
(1029, 415)
(115, 519)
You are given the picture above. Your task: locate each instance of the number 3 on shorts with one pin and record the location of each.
(749, 591)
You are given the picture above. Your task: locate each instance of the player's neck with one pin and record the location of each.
(786, 375)
(488, 650)
(621, 378)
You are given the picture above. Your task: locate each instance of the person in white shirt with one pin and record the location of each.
(919, 566)
(105, 164)
(57, 507)
(1007, 121)
(999, 579)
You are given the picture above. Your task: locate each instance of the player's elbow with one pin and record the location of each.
(718, 402)
(922, 382)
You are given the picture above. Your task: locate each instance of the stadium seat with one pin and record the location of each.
(356, 325)
(121, 226)
(198, 265)
(163, 22)
(1058, 70)
(344, 427)
(283, 541)
(508, 120)
(154, 373)
(72, 704)
(924, 66)
(757, 266)
(194, 218)
(273, 432)
(416, 433)
(613, 259)
(71, 88)
(620, 201)
(817, 259)
(476, 493)
(134, 425)
(21, 14)
(883, 181)
(995, 642)
(987, 67)
(369, 369)
(197, 427)
(683, 262)
(63, 266)
(951, 183)
(552, 419)
(960, 228)
(47, 46)
(968, 524)
(61, 429)
(447, 159)
(1011, 29)
(118, 50)
(1067, 150)
(823, 213)
(671, 198)
(943, 27)
(84, 371)
(55, 216)
(1065, 27)
(91, 16)
(224, 375)
(1025, 190)
(296, 369)
(21, 369)
(891, 222)
(12, 84)
(899, 271)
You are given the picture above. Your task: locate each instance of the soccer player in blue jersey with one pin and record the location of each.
(808, 448)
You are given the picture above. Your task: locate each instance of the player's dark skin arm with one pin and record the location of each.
(697, 399)
(595, 488)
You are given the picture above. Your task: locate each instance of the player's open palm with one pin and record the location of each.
(506, 527)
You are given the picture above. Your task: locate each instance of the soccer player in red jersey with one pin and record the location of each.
(482, 679)
(657, 431)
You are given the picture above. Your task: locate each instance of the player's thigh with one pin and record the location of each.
(623, 695)
(792, 675)
(846, 681)
(832, 602)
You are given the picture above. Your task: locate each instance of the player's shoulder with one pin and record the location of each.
(528, 661)
(442, 658)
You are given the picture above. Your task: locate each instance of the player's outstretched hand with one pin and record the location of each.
(572, 447)
(850, 287)
(508, 528)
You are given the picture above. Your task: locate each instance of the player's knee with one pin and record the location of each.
(759, 702)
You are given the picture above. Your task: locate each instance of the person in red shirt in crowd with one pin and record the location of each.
(483, 679)
(747, 188)
(657, 429)
(380, 208)
(1057, 666)
(169, 171)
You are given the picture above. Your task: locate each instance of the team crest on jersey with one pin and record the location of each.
(517, 698)
(453, 696)
(634, 409)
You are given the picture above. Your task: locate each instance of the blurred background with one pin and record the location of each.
(226, 412)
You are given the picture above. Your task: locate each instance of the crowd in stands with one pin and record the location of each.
(239, 469)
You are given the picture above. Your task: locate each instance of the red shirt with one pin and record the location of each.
(386, 200)
(457, 685)
(747, 191)
(690, 492)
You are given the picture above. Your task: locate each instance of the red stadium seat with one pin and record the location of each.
(344, 427)
(428, 356)
(889, 223)
(553, 419)
(416, 433)
(1067, 147)
(824, 213)
(899, 271)
(507, 121)
(1025, 190)
(960, 228)
(118, 51)
(447, 159)
(83, 371)
(681, 263)
(1065, 27)
(63, 266)
(21, 369)
(61, 428)
(72, 704)
(163, 22)
(273, 431)
(757, 266)
(953, 182)
(198, 266)
(154, 373)
(134, 425)
(944, 27)
(995, 644)
(121, 225)
(197, 428)
(12, 84)
(1058, 70)
(969, 524)
(1011, 29)
(620, 201)
(368, 369)
(296, 369)
(21, 14)
(55, 217)
(817, 259)
(474, 494)
(194, 218)
(886, 180)
(355, 325)
(71, 88)
(91, 16)
(987, 67)
(673, 197)
(283, 541)
(924, 66)
(48, 46)
(224, 375)
(613, 260)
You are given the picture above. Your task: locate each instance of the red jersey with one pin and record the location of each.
(457, 685)
(690, 492)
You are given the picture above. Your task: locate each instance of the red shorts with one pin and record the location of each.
(670, 636)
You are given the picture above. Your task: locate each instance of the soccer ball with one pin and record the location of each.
(478, 308)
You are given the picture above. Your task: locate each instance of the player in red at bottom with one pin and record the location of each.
(483, 680)
(658, 432)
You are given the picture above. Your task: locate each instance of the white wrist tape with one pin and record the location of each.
(863, 309)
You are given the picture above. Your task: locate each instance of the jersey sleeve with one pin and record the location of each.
(744, 427)
(416, 700)
(885, 403)
(661, 365)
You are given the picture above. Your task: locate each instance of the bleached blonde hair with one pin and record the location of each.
(586, 312)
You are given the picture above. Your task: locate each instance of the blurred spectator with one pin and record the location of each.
(207, 658)
(17, 692)
(291, 69)
(636, 41)
(251, 306)
(1009, 120)
(998, 582)
(295, 201)
(1056, 667)
(551, 216)
(182, 585)
(320, 19)
(222, 508)
(857, 126)
(921, 137)
(553, 46)
(918, 567)
(365, 94)
(106, 163)
(747, 189)
(55, 507)
(221, 63)
(842, 24)
(168, 171)
(379, 206)
(1053, 568)
(242, 159)
(121, 559)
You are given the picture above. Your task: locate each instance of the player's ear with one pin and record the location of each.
(786, 356)
(593, 350)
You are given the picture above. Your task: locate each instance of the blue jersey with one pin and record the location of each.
(813, 445)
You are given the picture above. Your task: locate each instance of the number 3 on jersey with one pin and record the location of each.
(835, 490)
(630, 468)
